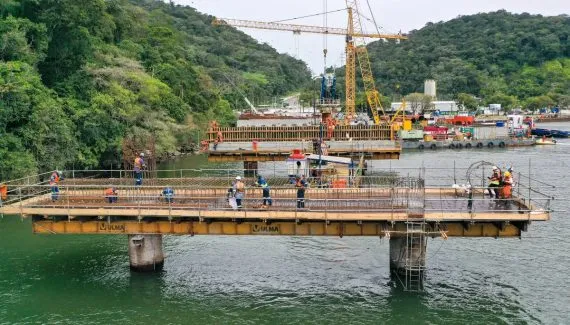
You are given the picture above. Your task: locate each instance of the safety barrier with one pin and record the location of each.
(419, 193)
(409, 200)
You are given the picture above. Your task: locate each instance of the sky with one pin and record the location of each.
(391, 15)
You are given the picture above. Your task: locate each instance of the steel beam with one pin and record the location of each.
(288, 228)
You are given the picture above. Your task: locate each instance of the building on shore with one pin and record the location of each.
(443, 107)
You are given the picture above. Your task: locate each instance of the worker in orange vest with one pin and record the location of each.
(139, 165)
(53, 183)
(507, 190)
(111, 195)
(330, 127)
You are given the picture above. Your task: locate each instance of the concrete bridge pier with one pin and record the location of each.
(408, 260)
(145, 253)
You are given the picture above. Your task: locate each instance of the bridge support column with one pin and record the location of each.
(250, 168)
(145, 253)
(408, 261)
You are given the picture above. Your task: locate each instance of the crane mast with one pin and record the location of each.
(356, 47)
(350, 70)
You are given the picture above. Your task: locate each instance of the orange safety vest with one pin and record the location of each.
(138, 162)
(55, 177)
(507, 187)
(109, 192)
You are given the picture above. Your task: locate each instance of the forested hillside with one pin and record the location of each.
(77, 76)
(501, 57)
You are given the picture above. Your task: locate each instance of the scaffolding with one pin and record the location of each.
(415, 253)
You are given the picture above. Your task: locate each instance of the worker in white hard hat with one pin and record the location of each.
(239, 191)
(495, 183)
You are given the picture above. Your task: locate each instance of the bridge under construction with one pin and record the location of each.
(274, 143)
(406, 209)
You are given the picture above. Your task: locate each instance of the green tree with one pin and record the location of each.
(77, 77)
(507, 102)
(539, 102)
(467, 102)
(419, 103)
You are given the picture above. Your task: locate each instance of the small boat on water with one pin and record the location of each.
(559, 134)
(551, 133)
(545, 142)
(541, 132)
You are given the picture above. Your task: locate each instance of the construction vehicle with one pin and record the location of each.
(355, 51)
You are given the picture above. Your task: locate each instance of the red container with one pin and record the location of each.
(434, 130)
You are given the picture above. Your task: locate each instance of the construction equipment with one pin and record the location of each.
(401, 110)
(355, 50)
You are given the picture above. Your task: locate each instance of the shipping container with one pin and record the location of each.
(490, 132)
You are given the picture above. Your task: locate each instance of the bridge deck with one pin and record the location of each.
(382, 205)
(369, 204)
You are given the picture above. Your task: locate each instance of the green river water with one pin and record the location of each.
(49, 279)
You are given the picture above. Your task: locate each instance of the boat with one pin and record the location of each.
(545, 142)
(541, 132)
(560, 134)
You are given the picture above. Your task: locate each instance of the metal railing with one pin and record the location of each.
(422, 190)
(284, 198)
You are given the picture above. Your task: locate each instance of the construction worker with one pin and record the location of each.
(507, 189)
(139, 165)
(239, 191)
(261, 182)
(53, 183)
(324, 148)
(330, 127)
(168, 194)
(301, 185)
(495, 182)
(511, 170)
(111, 195)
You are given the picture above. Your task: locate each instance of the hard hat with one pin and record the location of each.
(507, 174)
(495, 168)
(238, 177)
(142, 154)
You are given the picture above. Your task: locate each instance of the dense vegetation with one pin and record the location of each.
(514, 60)
(76, 77)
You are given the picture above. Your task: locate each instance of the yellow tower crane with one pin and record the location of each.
(355, 51)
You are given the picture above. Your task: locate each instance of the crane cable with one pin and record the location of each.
(373, 21)
(307, 16)
(325, 40)
(373, 18)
